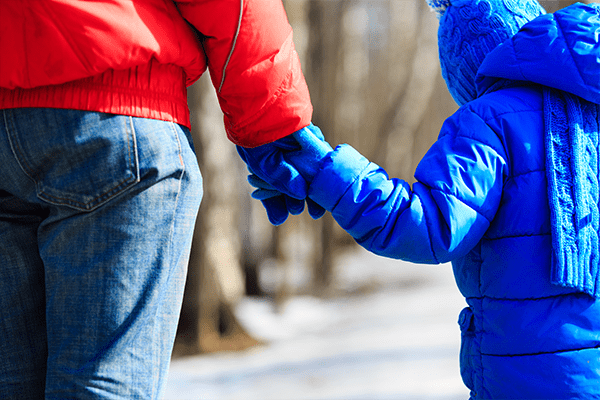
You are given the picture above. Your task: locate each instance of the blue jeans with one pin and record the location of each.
(96, 219)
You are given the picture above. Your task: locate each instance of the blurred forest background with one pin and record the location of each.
(373, 72)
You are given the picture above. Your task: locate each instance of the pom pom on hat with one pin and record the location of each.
(438, 6)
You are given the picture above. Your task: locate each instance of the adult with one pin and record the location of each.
(100, 186)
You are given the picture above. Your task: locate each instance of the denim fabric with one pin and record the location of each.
(96, 218)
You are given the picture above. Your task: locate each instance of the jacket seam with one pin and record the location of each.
(502, 140)
(455, 135)
(507, 113)
(517, 236)
(525, 173)
(495, 117)
(554, 296)
(541, 352)
(479, 140)
(237, 33)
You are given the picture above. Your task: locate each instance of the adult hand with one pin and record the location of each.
(313, 148)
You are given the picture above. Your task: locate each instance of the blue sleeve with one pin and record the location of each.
(444, 215)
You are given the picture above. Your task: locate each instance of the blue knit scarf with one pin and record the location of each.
(572, 170)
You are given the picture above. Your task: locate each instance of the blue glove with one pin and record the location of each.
(278, 205)
(268, 163)
(282, 171)
(313, 148)
(290, 163)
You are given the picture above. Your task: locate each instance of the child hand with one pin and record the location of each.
(279, 205)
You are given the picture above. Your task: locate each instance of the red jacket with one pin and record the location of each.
(136, 57)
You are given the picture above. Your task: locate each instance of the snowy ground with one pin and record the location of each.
(400, 341)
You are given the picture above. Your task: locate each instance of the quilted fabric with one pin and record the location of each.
(481, 201)
(135, 57)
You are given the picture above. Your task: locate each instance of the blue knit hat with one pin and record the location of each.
(469, 30)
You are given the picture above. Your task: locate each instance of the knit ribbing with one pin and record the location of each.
(572, 149)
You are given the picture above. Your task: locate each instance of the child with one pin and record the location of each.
(509, 193)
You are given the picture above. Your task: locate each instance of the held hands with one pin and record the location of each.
(279, 205)
(269, 164)
(313, 149)
(283, 170)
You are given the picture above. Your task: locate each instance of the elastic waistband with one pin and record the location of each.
(155, 91)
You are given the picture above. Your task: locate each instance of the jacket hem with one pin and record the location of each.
(155, 91)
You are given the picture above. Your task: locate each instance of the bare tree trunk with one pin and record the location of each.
(410, 107)
(215, 280)
(324, 63)
(555, 5)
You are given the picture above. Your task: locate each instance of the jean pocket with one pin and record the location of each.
(467, 333)
(77, 159)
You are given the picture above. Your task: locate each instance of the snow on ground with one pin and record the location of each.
(399, 341)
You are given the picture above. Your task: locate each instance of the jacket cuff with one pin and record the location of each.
(339, 170)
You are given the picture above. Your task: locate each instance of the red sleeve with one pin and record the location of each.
(254, 67)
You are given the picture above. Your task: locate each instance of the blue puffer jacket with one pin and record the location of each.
(481, 201)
